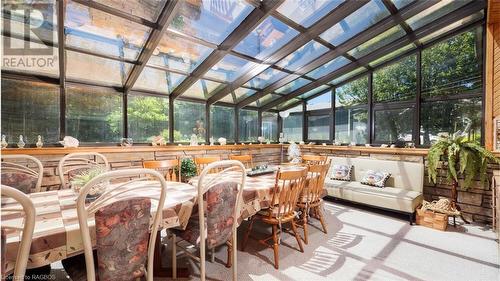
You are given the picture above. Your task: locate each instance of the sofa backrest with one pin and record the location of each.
(405, 175)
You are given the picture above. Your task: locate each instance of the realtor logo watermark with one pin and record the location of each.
(29, 33)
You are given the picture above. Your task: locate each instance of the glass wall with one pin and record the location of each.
(351, 112)
(94, 114)
(189, 119)
(222, 123)
(270, 126)
(248, 125)
(318, 127)
(29, 109)
(292, 127)
(147, 117)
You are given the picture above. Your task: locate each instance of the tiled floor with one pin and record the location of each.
(363, 244)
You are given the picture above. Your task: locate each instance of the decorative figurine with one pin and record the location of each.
(261, 139)
(21, 142)
(211, 139)
(222, 141)
(39, 143)
(126, 142)
(157, 140)
(4, 142)
(69, 141)
(294, 153)
(194, 140)
(302, 143)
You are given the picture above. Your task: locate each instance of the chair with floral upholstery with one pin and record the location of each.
(9, 206)
(77, 163)
(288, 186)
(310, 202)
(23, 172)
(215, 222)
(125, 238)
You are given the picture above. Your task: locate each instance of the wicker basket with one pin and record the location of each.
(432, 219)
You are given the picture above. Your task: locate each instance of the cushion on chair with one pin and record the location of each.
(20, 181)
(221, 201)
(122, 236)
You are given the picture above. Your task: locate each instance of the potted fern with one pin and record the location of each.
(461, 158)
(80, 180)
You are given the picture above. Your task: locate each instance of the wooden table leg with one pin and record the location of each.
(158, 269)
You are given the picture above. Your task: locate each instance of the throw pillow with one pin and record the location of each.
(341, 172)
(375, 178)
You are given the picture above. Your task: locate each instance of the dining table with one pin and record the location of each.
(57, 234)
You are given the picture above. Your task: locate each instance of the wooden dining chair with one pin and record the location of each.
(23, 172)
(23, 249)
(310, 202)
(171, 169)
(216, 221)
(288, 186)
(74, 164)
(125, 239)
(247, 160)
(313, 159)
(202, 162)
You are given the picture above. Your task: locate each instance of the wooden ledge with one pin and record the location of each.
(167, 148)
(133, 149)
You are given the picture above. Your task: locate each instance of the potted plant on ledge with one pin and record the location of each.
(460, 158)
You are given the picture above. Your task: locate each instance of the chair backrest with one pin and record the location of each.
(404, 174)
(314, 159)
(24, 247)
(23, 172)
(315, 183)
(122, 219)
(76, 163)
(223, 193)
(287, 188)
(247, 160)
(202, 162)
(171, 169)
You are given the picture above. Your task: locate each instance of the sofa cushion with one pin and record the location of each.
(376, 179)
(341, 172)
(389, 198)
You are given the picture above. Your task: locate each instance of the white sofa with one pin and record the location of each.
(403, 191)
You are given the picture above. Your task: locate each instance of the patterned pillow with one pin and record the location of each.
(376, 179)
(342, 172)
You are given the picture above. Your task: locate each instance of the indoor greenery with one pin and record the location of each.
(188, 169)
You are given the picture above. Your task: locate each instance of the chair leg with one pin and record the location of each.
(321, 219)
(212, 255)
(234, 259)
(294, 229)
(247, 234)
(275, 246)
(174, 257)
(304, 225)
(229, 253)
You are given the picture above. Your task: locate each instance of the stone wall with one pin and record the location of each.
(476, 202)
(122, 160)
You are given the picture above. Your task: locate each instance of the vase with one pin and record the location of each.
(39, 143)
(21, 142)
(4, 142)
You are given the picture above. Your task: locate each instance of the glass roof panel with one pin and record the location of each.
(392, 55)
(289, 102)
(152, 79)
(201, 89)
(228, 99)
(210, 20)
(329, 67)
(302, 56)
(378, 41)
(96, 69)
(45, 22)
(265, 78)
(292, 86)
(348, 75)
(147, 9)
(266, 38)
(243, 93)
(436, 11)
(401, 3)
(306, 13)
(91, 29)
(361, 19)
(477, 16)
(267, 99)
(178, 53)
(314, 91)
(229, 68)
